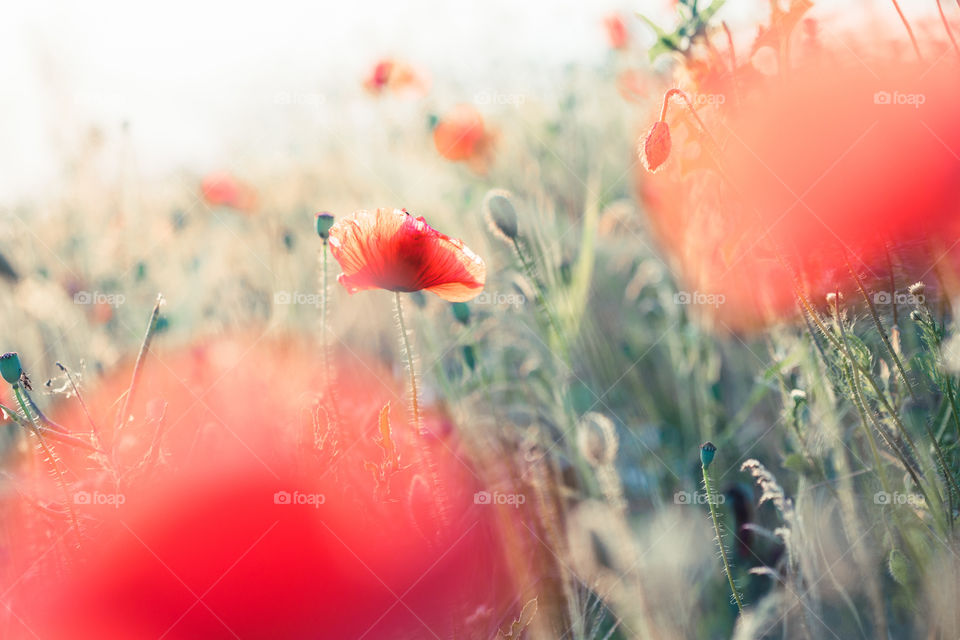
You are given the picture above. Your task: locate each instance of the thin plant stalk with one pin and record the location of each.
(411, 367)
(443, 510)
(138, 366)
(883, 333)
(35, 428)
(716, 529)
(913, 39)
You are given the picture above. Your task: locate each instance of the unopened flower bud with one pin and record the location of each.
(324, 222)
(707, 451)
(10, 367)
(655, 147)
(500, 214)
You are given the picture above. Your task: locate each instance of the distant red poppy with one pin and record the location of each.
(394, 75)
(222, 189)
(390, 249)
(461, 136)
(617, 33)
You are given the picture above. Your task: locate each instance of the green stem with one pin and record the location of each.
(53, 460)
(716, 529)
(411, 369)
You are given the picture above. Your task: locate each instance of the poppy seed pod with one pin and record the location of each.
(500, 214)
(10, 367)
(707, 451)
(655, 146)
(324, 222)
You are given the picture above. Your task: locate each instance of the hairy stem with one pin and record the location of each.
(53, 460)
(716, 529)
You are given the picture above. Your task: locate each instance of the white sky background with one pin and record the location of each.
(196, 78)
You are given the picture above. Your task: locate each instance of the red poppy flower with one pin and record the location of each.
(221, 189)
(461, 136)
(617, 33)
(390, 249)
(254, 514)
(801, 172)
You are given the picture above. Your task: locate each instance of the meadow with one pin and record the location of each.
(670, 354)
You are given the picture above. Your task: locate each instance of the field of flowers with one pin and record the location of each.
(665, 351)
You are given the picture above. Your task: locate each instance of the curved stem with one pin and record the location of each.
(906, 24)
(716, 529)
(946, 25)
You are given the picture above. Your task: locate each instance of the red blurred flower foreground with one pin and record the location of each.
(461, 136)
(390, 249)
(789, 177)
(245, 511)
(222, 189)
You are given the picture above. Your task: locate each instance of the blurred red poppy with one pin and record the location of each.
(390, 249)
(803, 171)
(222, 189)
(246, 509)
(617, 34)
(394, 75)
(461, 136)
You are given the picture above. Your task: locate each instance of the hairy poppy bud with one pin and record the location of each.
(707, 451)
(10, 367)
(324, 222)
(500, 214)
(655, 147)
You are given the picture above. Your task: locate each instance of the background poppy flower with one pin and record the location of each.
(257, 517)
(461, 136)
(390, 249)
(617, 34)
(394, 75)
(222, 189)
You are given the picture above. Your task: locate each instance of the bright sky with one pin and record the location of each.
(194, 77)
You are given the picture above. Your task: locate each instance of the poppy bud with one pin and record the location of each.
(10, 367)
(500, 214)
(655, 147)
(324, 222)
(707, 451)
(461, 312)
